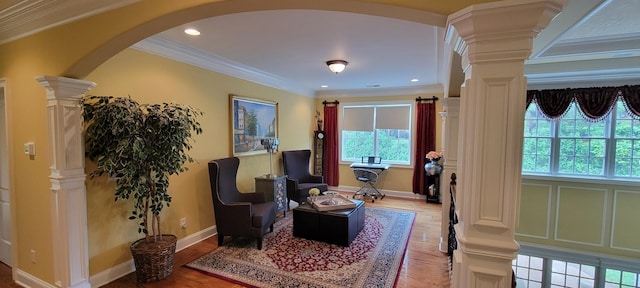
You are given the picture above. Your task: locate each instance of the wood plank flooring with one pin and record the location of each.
(424, 265)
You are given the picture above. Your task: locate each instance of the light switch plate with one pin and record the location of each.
(30, 148)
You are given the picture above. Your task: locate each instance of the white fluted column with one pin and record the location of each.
(494, 40)
(70, 253)
(450, 123)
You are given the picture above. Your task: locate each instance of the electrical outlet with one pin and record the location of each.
(183, 222)
(33, 256)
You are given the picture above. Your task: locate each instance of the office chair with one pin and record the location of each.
(368, 180)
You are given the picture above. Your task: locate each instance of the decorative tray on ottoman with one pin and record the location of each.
(329, 203)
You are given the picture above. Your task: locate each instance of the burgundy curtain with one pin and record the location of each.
(594, 103)
(425, 142)
(331, 144)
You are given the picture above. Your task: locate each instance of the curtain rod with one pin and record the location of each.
(335, 102)
(433, 98)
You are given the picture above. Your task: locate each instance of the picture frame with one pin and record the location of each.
(252, 120)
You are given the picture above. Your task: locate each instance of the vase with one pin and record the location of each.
(432, 167)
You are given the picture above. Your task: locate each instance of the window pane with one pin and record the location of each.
(393, 145)
(629, 278)
(387, 117)
(358, 118)
(355, 144)
(536, 156)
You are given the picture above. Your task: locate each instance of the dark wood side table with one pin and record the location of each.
(274, 189)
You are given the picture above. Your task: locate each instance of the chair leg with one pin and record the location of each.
(259, 243)
(271, 228)
(220, 239)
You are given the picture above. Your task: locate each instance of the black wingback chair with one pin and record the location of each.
(238, 214)
(299, 180)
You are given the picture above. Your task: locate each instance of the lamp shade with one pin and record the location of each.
(337, 66)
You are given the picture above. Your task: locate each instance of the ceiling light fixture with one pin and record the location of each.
(192, 31)
(337, 66)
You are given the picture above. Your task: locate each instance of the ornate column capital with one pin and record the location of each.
(501, 29)
(62, 88)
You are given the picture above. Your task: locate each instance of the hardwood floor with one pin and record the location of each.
(423, 266)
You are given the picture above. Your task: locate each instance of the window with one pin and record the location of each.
(529, 270)
(382, 130)
(573, 146)
(538, 267)
(621, 279)
(569, 274)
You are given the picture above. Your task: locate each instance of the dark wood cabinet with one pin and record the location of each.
(318, 153)
(274, 189)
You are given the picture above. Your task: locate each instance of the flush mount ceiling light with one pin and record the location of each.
(337, 66)
(192, 31)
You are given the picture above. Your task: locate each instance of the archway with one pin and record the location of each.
(75, 272)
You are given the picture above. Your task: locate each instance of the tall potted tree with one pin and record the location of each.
(140, 146)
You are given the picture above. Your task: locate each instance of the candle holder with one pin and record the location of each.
(271, 145)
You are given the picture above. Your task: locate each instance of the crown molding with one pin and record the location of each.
(424, 89)
(24, 18)
(173, 50)
(584, 79)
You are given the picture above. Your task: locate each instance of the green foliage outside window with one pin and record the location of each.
(581, 146)
(356, 144)
(393, 145)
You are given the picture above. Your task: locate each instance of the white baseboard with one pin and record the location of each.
(25, 279)
(122, 269)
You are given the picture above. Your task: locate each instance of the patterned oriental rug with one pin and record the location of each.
(373, 259)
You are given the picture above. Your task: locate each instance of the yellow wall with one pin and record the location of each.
(152, 79)
(397, 178)
(601, 218)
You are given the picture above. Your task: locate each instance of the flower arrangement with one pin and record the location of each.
(314, 191)
(313, 194)
(434, 155)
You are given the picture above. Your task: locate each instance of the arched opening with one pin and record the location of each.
(115, 45)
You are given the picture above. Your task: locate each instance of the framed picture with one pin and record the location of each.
(251, 121)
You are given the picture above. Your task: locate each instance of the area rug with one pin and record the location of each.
(373, 259)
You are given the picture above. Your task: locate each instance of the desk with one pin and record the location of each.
(379, 167)
(368, 178)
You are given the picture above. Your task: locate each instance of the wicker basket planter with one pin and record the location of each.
(153, 260)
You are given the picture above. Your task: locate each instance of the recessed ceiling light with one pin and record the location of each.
(192, 31)
(324, 86)
(415, 80)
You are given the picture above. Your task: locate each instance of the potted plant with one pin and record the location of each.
(139, 146)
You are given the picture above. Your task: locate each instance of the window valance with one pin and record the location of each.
(594, 103)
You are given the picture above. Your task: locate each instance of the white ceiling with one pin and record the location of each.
(592, 42)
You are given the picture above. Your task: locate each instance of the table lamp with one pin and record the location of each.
(271, 145)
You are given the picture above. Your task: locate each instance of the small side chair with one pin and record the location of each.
(299, 180)
(238, 214)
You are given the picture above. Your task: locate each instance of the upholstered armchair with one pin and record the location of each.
(237, 214)
(299, 180)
